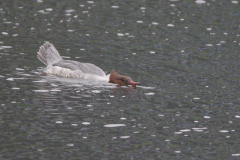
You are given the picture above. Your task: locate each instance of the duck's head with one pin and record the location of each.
(121, 80)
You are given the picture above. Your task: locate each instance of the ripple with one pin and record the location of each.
(124, 137)
(49, 9)
(185, 130)
(70, 10)
(42, 91)
(170, 25)
(209, 45)
(234, 2)
(207, 117)
(149, 94)
(196, 98)
(114, 6)
(120, 34)
(86, 123)
(59, 122)
(224, 131)
(200, 1)
(4, 33)
(55, 90)
(10, 79)
(15, 88)
(114, 125)
(96, 91)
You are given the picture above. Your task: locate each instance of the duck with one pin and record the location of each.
(56, 65)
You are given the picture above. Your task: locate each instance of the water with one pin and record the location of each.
(185, 54)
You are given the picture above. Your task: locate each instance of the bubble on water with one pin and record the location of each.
(170, 25)
(209, 29)
(181, 19)
(15, 35)
(142, 8)
(123, 118)
(70, 30)
(172, 5)
(39, 1)
(154, 23)
(139, 21)
(177, 151)
(177, 132)
(237, 116)
(207, 117)
(236, 155)
(161, 115)
(70, 145)
(152, 52)
(90, 2)
(225, 33)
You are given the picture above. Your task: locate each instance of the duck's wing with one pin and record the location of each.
(86, 68)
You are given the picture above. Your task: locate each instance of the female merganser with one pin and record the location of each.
(49, 55)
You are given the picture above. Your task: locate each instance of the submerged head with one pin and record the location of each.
(121, 80)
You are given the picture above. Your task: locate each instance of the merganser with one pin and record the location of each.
(49, 55)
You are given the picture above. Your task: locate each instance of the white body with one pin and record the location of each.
(66, 68)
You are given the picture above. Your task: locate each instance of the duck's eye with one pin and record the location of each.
(123, 80)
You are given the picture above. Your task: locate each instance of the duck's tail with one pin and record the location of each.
(48, 54)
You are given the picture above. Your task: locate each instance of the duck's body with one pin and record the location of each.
(73, 69)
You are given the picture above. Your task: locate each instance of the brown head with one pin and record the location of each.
(121, 80)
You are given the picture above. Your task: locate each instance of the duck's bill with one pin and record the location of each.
(133, 83)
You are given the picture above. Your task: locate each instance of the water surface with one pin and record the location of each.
(185, 54)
